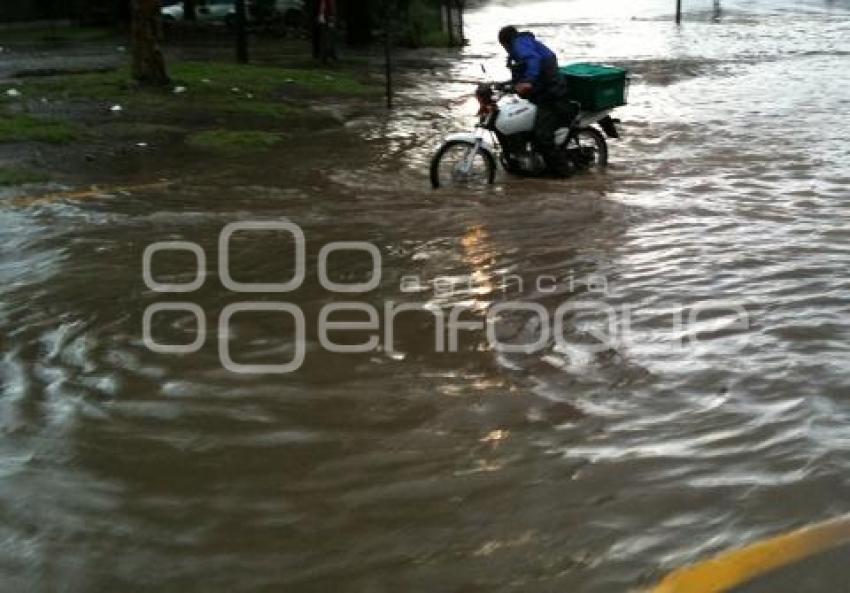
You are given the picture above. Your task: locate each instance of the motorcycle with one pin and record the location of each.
(504, 134)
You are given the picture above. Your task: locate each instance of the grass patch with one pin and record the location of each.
(239, 106)
(233, 141)
(209, 88)
(434, 38)
(211, 94)
(20, 176)
(265, 80)
(201, 98)
(424, 25)
(23, 128)
(209, 80)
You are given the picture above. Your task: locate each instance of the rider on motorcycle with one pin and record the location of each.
(536, 77)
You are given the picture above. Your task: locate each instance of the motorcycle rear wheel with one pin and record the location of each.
(453, 154)
(590, 137)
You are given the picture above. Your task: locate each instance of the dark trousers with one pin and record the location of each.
(551, 115)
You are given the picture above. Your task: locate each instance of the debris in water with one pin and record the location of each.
(235, 89)
(13, 93)
(142, 144)
(495, 436)
(116, 109)
(206, 80)
(179, 90)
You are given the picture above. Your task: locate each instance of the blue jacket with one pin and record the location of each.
(529, 56)
(533, 62)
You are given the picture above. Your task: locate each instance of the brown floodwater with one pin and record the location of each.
(716, 413)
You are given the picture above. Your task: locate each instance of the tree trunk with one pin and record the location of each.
(148, 64)
(358, 20)
(312, 10)
(327, 19)
(190, 10)
(241, 32)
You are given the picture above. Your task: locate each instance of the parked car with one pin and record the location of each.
(210, 11)
(291, 13)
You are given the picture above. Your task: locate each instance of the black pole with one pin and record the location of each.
(388, 50)
(678, 12)
(460, 7)
(241, 33)
(190, 10)
(450, 22)
(388, 58)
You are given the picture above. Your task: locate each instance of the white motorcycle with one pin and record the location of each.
(504, 135)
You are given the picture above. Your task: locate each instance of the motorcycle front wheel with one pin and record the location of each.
(451, 166)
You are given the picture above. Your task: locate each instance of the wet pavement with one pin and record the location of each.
(44, 59)
(718, 238)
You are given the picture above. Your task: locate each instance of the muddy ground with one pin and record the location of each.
(73, 118)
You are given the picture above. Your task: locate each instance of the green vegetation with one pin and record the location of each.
(23, 128)
(268, 79)
(19, 176)
(213, 105)
(233, 141)
(220, 107)
(434, 38)
(424, 26)
(211, 89)
(214, 80)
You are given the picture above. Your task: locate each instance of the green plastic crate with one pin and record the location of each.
(595, 86)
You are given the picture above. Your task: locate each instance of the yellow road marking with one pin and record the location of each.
(731, 569)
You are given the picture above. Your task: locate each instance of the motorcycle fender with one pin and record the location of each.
(486, 143)
(609, 126)
(588, 119)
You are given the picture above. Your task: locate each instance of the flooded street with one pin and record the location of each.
(717, 242)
